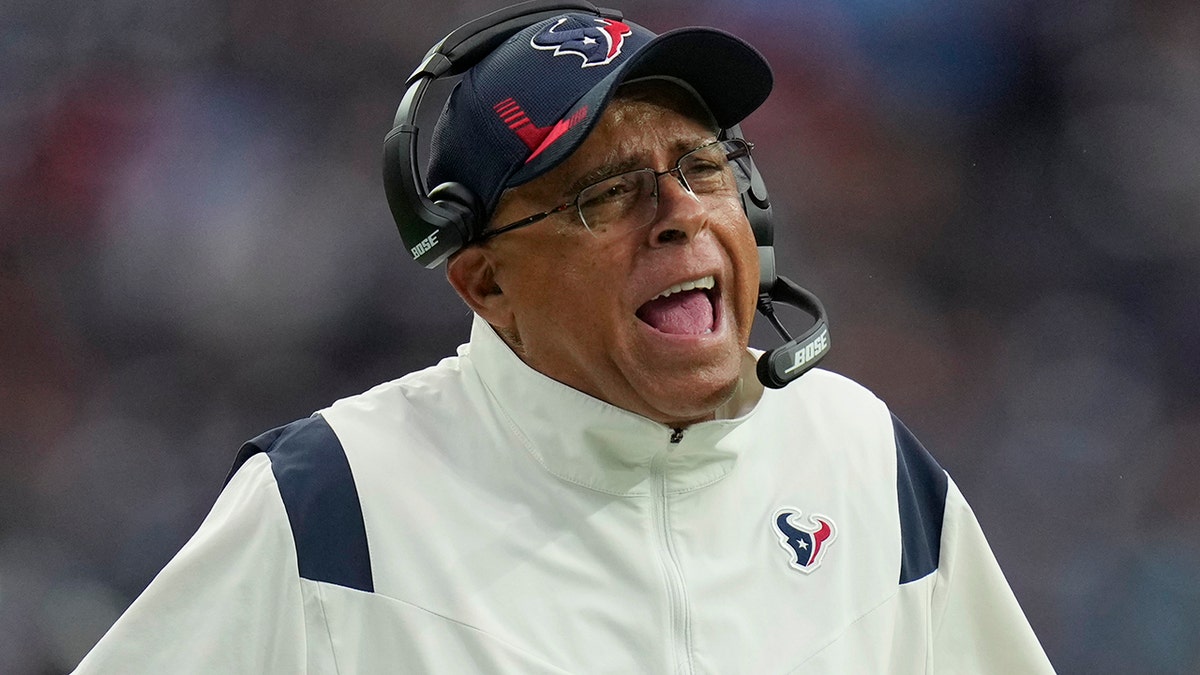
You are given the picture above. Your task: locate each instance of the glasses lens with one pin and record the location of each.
(626, 200)
(720, 168)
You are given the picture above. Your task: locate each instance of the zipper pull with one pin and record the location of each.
(676, 436)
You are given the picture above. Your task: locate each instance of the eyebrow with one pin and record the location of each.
(605, 170)
(617, 165)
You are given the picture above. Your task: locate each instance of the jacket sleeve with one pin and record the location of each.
(229, 602)
(978, 627)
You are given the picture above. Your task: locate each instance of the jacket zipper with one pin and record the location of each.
(680, 614)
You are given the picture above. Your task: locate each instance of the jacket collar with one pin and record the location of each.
(586, 441)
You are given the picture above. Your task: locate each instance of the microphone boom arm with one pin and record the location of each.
(779, 366)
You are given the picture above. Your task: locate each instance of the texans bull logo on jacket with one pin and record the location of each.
(807, 545)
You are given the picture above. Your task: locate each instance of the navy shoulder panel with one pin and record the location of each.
(921, 486)
(318, 491)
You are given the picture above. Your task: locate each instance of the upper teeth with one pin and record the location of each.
(704, 283)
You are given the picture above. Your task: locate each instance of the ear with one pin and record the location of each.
(472, 273)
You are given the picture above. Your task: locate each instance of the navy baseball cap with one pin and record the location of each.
(530, 103)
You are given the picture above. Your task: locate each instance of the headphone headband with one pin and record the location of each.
(469, 43)
(435, 224)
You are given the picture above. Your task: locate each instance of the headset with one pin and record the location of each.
(436, 223)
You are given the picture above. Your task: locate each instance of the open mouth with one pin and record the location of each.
(688, 308)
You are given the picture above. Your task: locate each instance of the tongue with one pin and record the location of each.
(686, 313)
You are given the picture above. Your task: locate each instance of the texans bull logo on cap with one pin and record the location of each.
(596, 45)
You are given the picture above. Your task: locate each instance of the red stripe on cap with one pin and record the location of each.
(556, 132)
(536, 138)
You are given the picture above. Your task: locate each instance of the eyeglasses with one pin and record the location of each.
(629, 201)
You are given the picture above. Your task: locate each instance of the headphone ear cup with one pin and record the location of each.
(463, 205)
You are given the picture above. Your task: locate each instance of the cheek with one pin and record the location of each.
(746, 249)
(570, 286)
(743, 250)
(589, 290)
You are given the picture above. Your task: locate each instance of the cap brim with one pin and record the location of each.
(731, 78)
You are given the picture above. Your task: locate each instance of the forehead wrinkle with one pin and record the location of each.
(639, 107)
(614, 164)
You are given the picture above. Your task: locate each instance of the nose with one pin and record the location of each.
(681, 214)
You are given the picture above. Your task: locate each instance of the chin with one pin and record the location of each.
(691, 399)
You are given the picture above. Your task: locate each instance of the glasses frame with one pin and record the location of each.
(743, 151)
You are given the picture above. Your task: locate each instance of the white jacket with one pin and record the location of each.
(479, 517)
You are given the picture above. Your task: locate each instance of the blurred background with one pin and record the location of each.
(997, 200)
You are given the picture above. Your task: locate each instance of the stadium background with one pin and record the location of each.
(998, 201)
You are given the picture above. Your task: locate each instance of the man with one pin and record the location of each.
(597, 483)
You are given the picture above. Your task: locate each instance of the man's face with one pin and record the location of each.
(579, 308)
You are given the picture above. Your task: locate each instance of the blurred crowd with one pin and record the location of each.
(998, 202)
